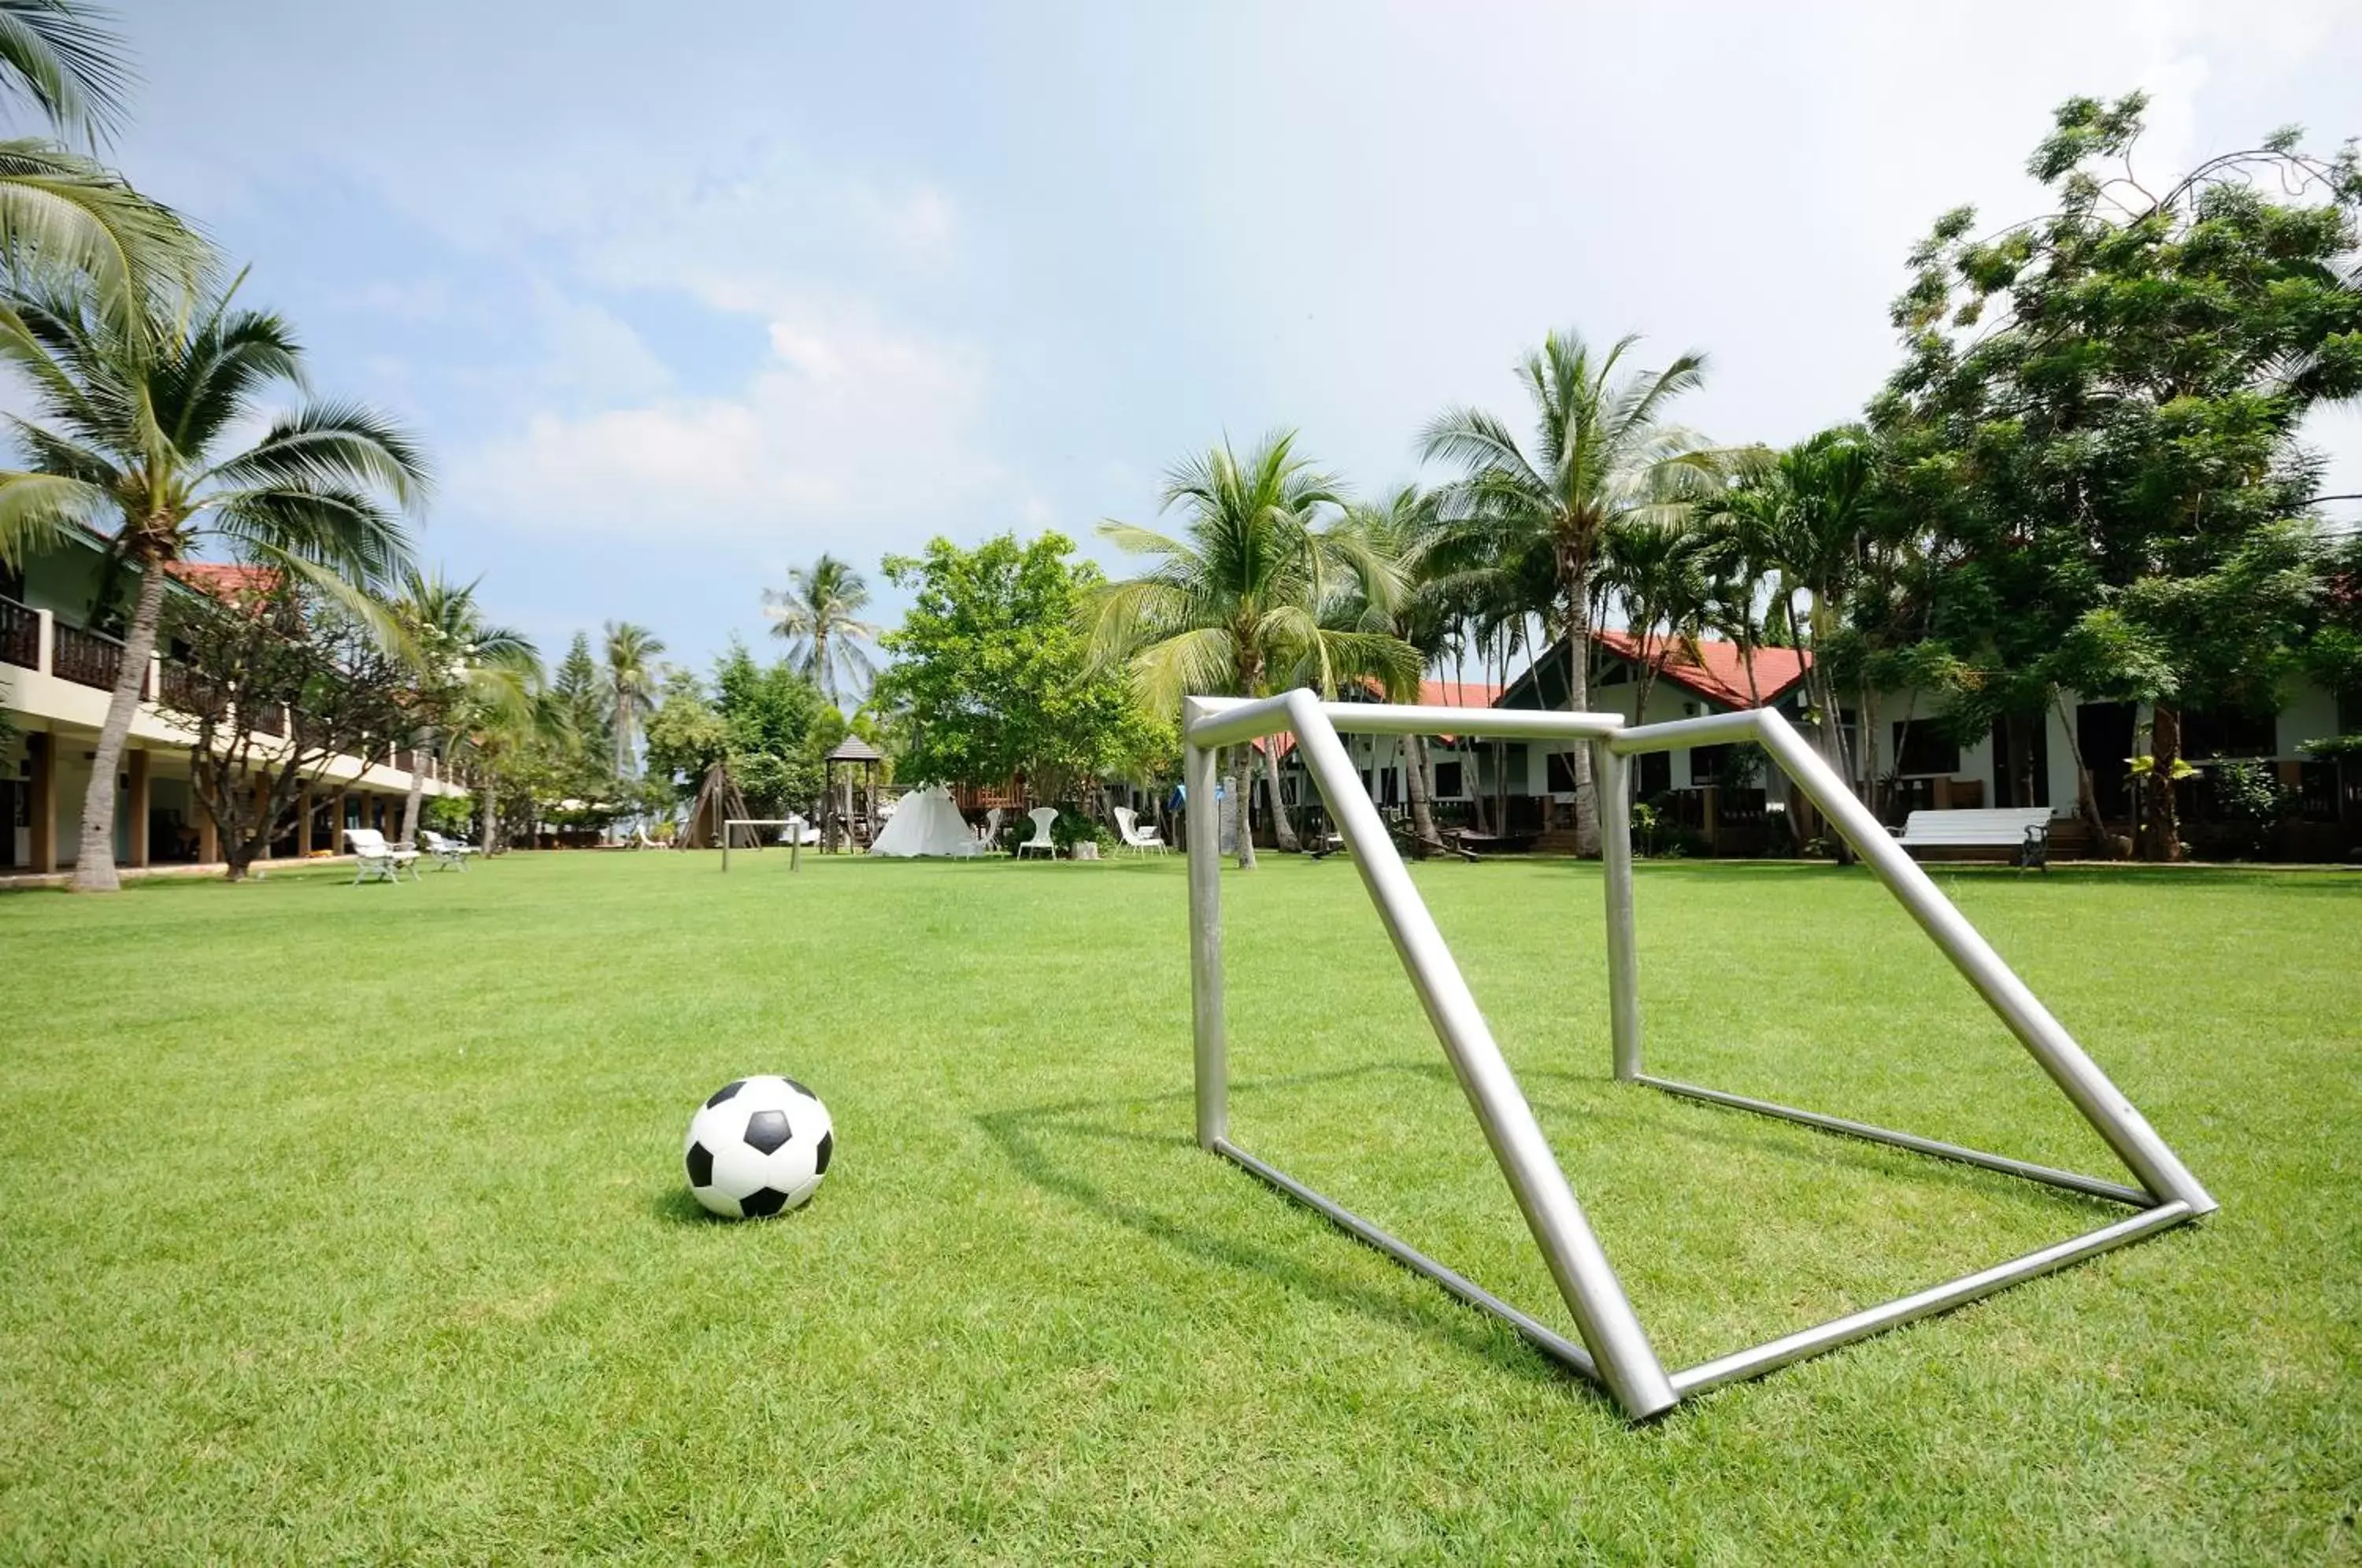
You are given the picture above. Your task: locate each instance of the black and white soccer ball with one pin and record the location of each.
(758, 1147)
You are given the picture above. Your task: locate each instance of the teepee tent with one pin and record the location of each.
(926, 823)
(719, 800)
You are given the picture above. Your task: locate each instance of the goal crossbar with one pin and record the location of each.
(1614, 1349)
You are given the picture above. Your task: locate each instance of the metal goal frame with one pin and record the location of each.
(1614, 1349)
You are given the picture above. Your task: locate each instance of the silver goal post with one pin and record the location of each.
(1614, 1349)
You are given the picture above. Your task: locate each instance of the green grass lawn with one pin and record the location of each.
(346, 1224)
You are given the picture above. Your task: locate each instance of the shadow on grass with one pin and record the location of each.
(678, 1206)
(1034, 1138)
(1042, 1144)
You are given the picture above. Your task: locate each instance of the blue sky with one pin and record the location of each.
(682, 296)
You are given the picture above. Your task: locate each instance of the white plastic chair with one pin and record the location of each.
(447, 853)
(1044, 818)
(993, 821)
(1135, 837)
(374, 860)
(800, 831)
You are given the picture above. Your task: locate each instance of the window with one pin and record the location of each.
(1617, 674)
(2228, 733)
(1922, 747)
(1562, 772)
(1447, 781)
(1705, 762)
(1655, 774)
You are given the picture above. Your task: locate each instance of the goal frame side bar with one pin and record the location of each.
(1615, 1352)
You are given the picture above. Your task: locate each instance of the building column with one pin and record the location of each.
(208, 839)
(336, 823)
(137, 809)
(41, 749)
(303, 820)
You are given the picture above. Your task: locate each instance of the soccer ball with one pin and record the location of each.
(760, 1145)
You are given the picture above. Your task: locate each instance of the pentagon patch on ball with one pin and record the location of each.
(758, 1147)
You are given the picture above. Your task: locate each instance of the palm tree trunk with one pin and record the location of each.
(417, 791)
(1417, 783)
(490, 790)
(1578, 700)
(94, 851)
(1242, 775)
(1282, 830)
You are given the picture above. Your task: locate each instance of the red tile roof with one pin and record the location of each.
(221, 578)
(1714, 668)
(1431, 694)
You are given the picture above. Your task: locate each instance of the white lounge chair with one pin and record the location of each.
(374, 860)
(799, 832)
(448, 853)
(1133, 836)
(1044, 818)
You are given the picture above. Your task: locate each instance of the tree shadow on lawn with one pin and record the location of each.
(1039, 1141)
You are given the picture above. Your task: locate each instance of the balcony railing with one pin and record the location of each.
(88, 659)
(20, 634)
(183, 692)
(268, 721)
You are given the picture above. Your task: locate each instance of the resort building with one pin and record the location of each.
(57, 674)
(1719, 800)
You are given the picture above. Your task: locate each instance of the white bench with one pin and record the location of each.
(375, 860)
(447, 853)
(2024, 829)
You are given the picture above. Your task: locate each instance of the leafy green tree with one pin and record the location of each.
(685, 735)
(818, 613)
(779, 730)
(63, 215)
(632, 676)
(992, 677)
(128, 434)
(273, 650)
(2098, 415)
(1603, 449)
(1244, 601)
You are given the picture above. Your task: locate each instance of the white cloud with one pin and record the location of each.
(592, 355)
(921, 224)
(850, 424)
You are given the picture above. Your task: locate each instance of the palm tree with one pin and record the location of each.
(459, 654)
(632, 671)
(1416, 608)
(1602, 450)
(816, 614)
(62, 214)
(1658, 569)
(508, 713)
(128, 431)
(1244, 602)
(1807, 515)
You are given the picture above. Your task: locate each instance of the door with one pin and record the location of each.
(2021, 751)
(2103, 732)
